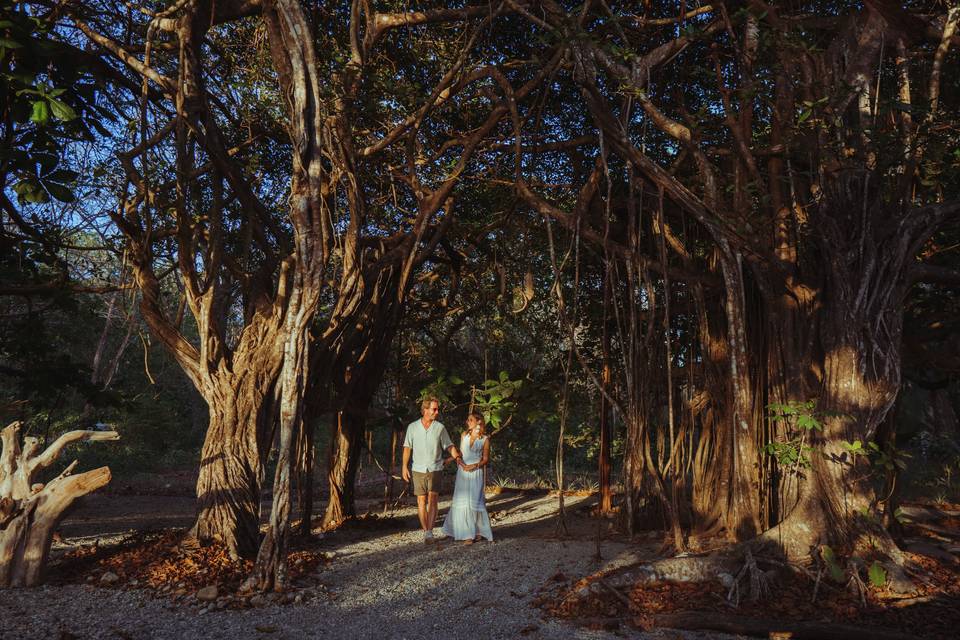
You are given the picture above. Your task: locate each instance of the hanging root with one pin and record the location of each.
(855, 583)
(758, 581)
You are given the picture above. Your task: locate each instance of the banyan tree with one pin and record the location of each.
(759, 182)
(752, 185)
(276, 196)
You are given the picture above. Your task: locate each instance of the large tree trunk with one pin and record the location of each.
(30, 511)
(345, 433)
(742, 515)
(231, 466)
(860, 331)
(713, 458)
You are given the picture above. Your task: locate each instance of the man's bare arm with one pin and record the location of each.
(452, 450)
(405, 471)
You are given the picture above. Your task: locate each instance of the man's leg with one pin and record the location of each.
(432, 510)
(423, 512)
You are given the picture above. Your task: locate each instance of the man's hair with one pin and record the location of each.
(426, 402)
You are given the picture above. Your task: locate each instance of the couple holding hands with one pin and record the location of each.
(425, 442)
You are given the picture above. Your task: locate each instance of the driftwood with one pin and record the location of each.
(29, 510)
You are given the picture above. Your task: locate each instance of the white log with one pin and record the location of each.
(30, 511)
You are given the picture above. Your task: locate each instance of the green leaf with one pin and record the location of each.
(9, 44)
(833, 566)
(63, 175)
(456, 380)
(828, 554)
(60, 192)
(877, 575)
(30, 191)
(855, 447)
(40, 113)
(61, 110)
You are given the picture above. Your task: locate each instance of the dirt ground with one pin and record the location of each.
(373, 577)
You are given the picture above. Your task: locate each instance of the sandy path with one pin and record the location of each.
(380, 584)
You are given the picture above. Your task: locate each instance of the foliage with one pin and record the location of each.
(496, 399)
(799, 418)
(49, 89)
(885, 460)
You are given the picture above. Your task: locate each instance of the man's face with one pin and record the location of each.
(432, 410)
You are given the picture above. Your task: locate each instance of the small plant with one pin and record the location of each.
(830, 561)
(584, 482)
(877, 574)
(877, 457)
(495, 399)
(793, 452)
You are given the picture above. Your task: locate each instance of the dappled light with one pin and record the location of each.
(499, 319)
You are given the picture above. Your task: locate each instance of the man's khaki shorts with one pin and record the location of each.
(424, 483)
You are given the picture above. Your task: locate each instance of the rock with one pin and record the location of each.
(298, 598)
(109, 578)
(208, 594)
(259, 601)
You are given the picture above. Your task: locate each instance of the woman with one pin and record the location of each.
(467, 519)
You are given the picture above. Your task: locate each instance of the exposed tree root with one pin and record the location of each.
(681, 569)
(704, 621)
(742, 570)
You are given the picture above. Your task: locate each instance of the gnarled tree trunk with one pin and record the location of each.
(345, 433)
(865, 279)
(29, 511)
(231, 465)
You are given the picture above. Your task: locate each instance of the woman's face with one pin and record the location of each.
(473, 424)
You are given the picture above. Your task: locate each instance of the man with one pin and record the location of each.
(427, 439)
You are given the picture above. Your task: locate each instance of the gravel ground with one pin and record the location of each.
(378, 585)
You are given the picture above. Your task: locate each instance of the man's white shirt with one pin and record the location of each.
(427, 444)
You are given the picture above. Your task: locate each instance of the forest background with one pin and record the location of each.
(703, 257)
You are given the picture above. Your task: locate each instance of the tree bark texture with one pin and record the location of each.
(345, 433)
(231, 462)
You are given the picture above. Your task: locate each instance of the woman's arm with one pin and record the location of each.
(485, 456)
